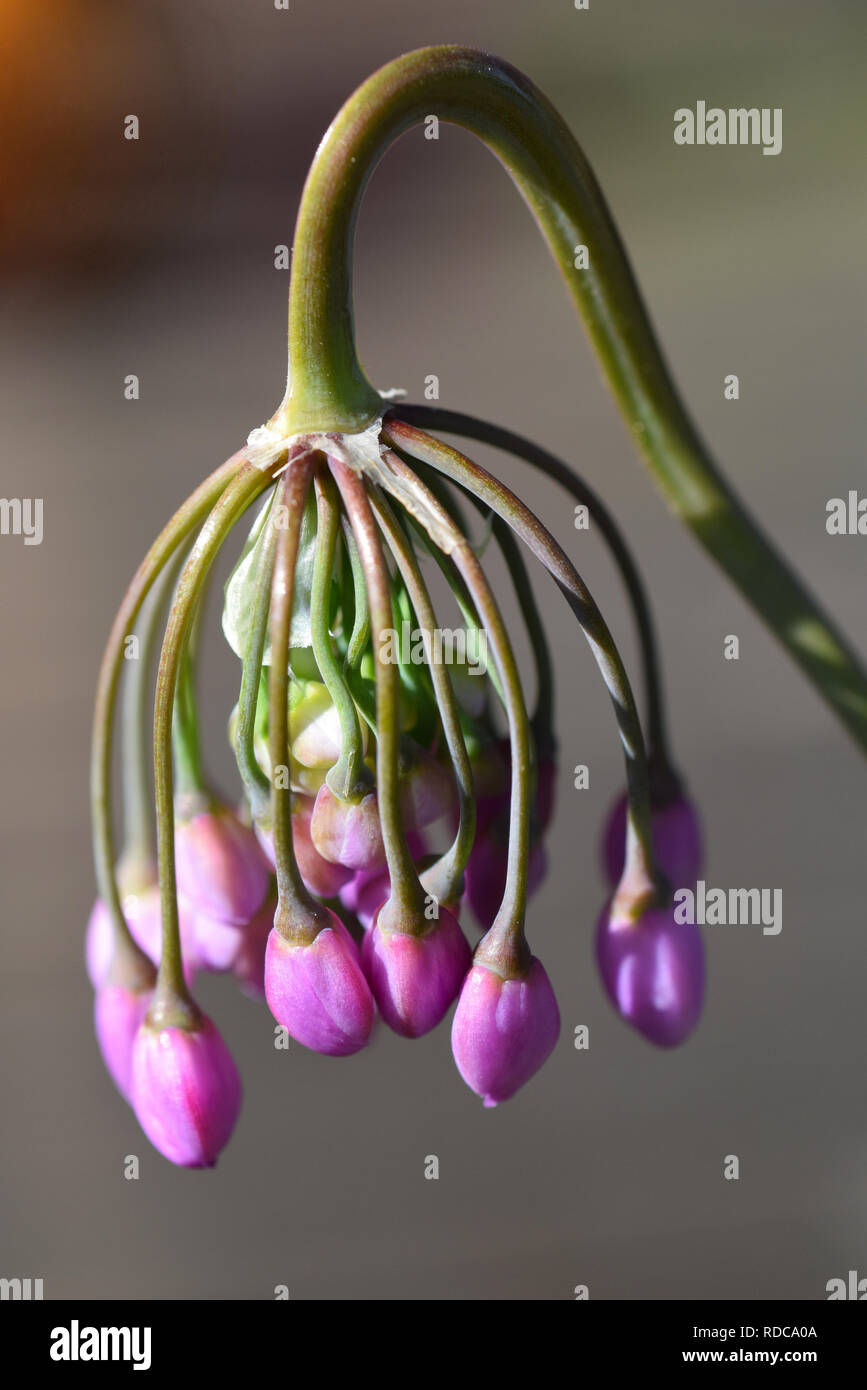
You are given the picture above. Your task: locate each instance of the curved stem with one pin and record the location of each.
(360, 634)
(347, 777)
(329, 391)
(406, 890)
(298, 915)
(256, 784)
(641, 877)
(445, 878)
(509, 922)
(170, 538)
(455, 422)
(139, 848)
(189, 775)
(172, 1002)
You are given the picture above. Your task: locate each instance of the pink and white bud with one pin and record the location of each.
(347, 832)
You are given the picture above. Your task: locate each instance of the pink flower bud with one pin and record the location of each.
(503, 1030)
(347, 832)
(221, 870)
(318, 992)
(117, 1016)
(186, 1091)
(248, 966)
(320, 877)
(415, 978)
(368, 889)
(144, 919)
(653, 972)
(427, 791)
(676, 840)
(485, 874)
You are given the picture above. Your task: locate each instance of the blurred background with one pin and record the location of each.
(156, 257)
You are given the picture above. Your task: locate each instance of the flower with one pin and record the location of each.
(142, 913)
(118, 1013)
(485, 875)
(347, 832)
(186, 1091)
(414, 978)
(221, 870)
(317, 990)
(676, 840)
(504, 1029)
(653, 972)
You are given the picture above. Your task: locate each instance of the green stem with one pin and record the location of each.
(298, 915)
(508, 925)
(172, 1002)
(256, 784)
(329, 391)
(406, 890)
(360, 634)
(139, 852)
(189, 774)
(641, 881)
(454, 422)
(185, 519)
(347, 778)
(445, 878)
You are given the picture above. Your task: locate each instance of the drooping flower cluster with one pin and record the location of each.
(396, 790)
(386, 793)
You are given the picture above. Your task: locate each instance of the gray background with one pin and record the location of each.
(157, 258)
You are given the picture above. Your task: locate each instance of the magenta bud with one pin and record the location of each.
(427, 791)
(368, 889)
(248, 966)
(144, 919)
(318, 992)
(347, 832)
(653, 972)
(416, 978)
(220, 867)
(504, 1030)
(485, 874)
(118, 1013)
(676, 841)
(186, 1091)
